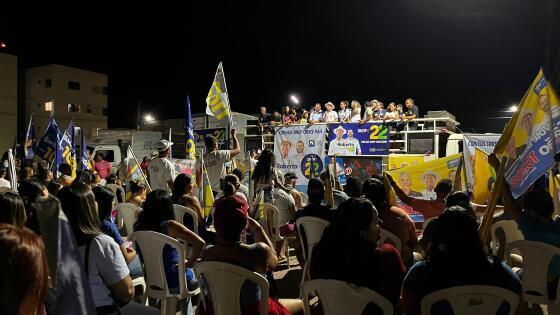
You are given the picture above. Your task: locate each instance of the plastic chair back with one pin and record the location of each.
(312, 228)
(388, 237)
(511, 232)
(223, 282)
(127, 213)
(180, 212)
(339, 297)
(472, 299)
(536, 259)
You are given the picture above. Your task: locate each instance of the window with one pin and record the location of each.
(49, 106)
(73, 85)
(48, 83)
(89, 109)
(104, 111)
(73, 108)
(108, 155)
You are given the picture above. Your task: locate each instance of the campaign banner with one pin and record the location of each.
(355, 139)
(420, 180)
(199, 135)
(185, 166)
(397, 161)
(486, 143)
(300, 149)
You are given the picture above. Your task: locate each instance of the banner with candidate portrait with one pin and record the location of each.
(300, 149)
(397, 161)
(485, 143)
(420, 180)
(355, 139)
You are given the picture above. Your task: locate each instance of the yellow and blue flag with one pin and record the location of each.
(48, 147)
(207, 195)
(217, 100)
(529, 139)
(189, 133)
(30, 139)
(84, 162)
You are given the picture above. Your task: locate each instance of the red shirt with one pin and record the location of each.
(428, 208)
(103, 168)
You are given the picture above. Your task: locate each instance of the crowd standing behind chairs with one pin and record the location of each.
(70, 254)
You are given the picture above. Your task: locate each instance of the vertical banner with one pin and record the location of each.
(486, 143)
(300, 149)
(355, 139)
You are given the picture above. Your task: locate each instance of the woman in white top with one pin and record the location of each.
(368, 113)
(391, 113)
(344, 113)
(356, 114)
(104, 263)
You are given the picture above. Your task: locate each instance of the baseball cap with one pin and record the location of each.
(290, 175)
(230, 215)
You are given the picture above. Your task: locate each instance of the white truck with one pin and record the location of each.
(113, 144)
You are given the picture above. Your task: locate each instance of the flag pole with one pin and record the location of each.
(485, 225)
(221, 66)
(136, 160)
(457, 185)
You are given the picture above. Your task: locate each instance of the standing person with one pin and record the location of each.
(411, 113)
(304, 118)
(144, 164)
(102, 167)
(23, 272)
(316, 114)
(12, 210)
(264, 175)
(3, 181)
(344, 113)
(356, 114)
(137, 189)
(162, 172)
(330, 115)
(276, 118)
(214, 161)
(368, 113)
(288, 117)
(264, 119)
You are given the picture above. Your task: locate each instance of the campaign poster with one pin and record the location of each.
(199, 135)
(482, 142)
(363, 167)
(300, 149)
(397, 161)
(336, 168)
(350, 139)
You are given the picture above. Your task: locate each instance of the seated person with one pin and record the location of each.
(348, 251)
(137, 192)
(394, 219)
(242, 188)
(105, 205)
(158, 216)
(119, 192)
(286, 211)
(353, 187)
(290, 187)
(66, 175)
(455, 247)
(338, 196)
(230, 178)
(230, 221)
(428, 208)
(315, 208)
(12, 210)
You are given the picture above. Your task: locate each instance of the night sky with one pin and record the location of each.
(473, 58)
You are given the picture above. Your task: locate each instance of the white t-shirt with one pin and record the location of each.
(5, 183)
(106, 263)
(331, 116)
(343, 114)
(283, 201)
(161, 172)
(244, 190)
(355, 117)
(215, 166)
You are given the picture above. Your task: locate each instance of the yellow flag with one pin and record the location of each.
(217, 101)
(260, 208)
(208, 197)
(484, 177)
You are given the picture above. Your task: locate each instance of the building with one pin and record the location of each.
(8, 101)
(74, 93)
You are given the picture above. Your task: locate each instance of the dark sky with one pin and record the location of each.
(473, 58)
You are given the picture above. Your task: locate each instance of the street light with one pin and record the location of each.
(148, 118)
(513, 108)
(294, 99)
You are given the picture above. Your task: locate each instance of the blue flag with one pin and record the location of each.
(189, 134)
(84, 163)
(49, 146)
(67, 144)
(29, 144)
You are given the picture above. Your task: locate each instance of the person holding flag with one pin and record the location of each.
(189, 134)
(49, 148)
(29, 146)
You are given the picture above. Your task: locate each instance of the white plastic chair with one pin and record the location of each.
(273, 227)
(472, 299)
(151, 245)
(511, 231)
(127, 214)
(313, 228)
(388, 237)
(536, 259)
(427, 221)
(223, 282)
(140, 281)
(180, 212)
(115, 188)
(339, 297)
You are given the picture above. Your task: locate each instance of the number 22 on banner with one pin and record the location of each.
(308, 168)
(378, 132)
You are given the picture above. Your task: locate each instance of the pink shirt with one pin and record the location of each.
(103, 168)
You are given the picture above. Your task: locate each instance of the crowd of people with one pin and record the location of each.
(102, 264)
(374, 110)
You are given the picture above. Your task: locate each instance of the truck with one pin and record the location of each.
(113, 144)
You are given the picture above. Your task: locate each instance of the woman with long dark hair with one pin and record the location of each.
(104, 264)
(158, 216)
(264, 176)
(12, 210)
(395, 219)
(456, 257)
(30, 191)
(348, 251)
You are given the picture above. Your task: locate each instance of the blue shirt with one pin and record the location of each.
(110, 229)
(534, 230)
(314, 115)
